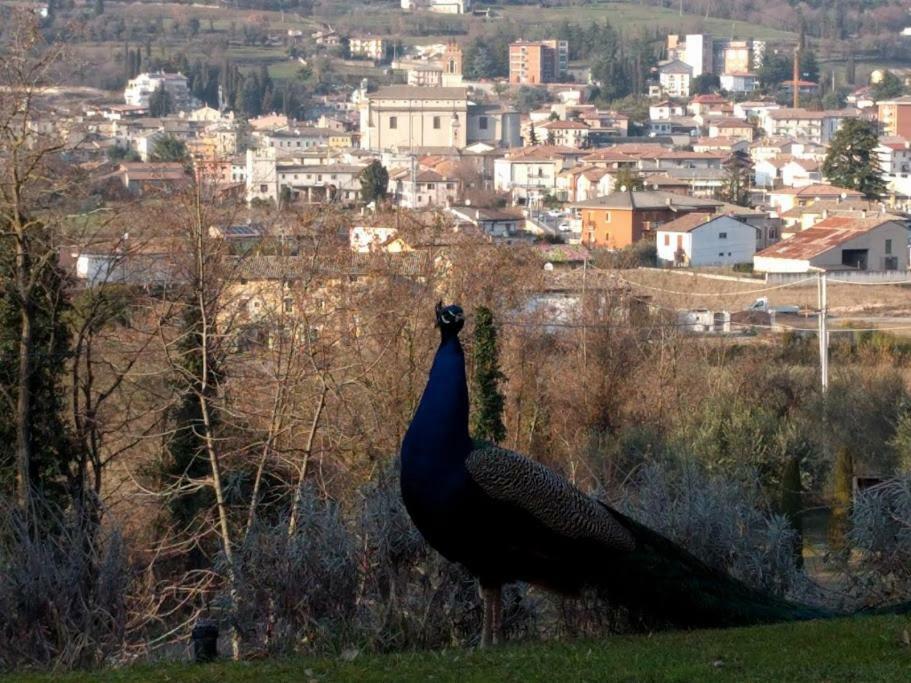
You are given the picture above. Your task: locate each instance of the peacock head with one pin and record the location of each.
(449, 319)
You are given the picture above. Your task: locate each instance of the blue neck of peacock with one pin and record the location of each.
(440, 425)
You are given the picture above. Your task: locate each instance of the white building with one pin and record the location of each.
(439, 6)
(369, 47)
(895, 160)
(698, 53)
(703, 239)
(262, 175)
(566, 133)
(675, 78)
(739, 82)
(139, 90)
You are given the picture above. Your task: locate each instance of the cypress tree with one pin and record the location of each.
(53, 451)
(791, 505)
(487, 420)
(843, 496)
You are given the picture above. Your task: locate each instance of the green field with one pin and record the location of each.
(868, 649)
(635, 16)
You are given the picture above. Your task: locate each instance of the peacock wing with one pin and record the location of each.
(513, 479)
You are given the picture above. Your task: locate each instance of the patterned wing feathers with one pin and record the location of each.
(553, 501)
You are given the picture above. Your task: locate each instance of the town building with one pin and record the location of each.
(839, 244)
(739, 81)
(675, 77)
(537, 62)
(704, 239)
(625, 217)
(139, 90)
(569, 133)
(438, 6)
(784, 199)
(404, 118)
(368, 47)
(895, 116)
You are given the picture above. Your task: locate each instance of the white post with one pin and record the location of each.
(823, 332)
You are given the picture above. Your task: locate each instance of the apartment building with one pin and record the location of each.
(369, 47)
(895, 117)
(536, 62)
(139, 90)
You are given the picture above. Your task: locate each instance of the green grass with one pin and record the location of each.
(867, 649)
(635, 16)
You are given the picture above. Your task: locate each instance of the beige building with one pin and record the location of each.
(404, 117)
(401, 118)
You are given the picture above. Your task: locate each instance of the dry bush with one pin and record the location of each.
(63, 593)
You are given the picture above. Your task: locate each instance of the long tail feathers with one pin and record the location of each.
(661, 580)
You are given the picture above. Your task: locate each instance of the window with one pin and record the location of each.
(436, 122)
(888, 246)
(393, 122)
(263, 188)
(482, 123)
(667, 240)
(722, 235)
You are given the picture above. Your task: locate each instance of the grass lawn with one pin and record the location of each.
(866, 649)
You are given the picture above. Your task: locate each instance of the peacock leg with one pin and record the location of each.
(496, 619)
(492, 607)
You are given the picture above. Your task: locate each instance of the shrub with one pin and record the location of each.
(62, 592)
(881, 533)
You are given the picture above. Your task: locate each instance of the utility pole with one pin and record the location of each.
(822, 300)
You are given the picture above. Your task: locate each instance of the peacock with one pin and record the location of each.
(507, 518)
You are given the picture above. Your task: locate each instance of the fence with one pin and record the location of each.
(852, 276)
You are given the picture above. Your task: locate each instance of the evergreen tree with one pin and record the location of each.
(852, 161)
(185, 448)
(791, 502)
(776, 67)
(160, 103)
(809, 67)
(738, 174)
(53, 452)
(374, 182)
(628, 179)
(843, 495)
(532, 134)
(487, 419)
(169, 148)
(98, 8)
(889, 86)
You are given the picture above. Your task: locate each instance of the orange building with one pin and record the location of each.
(895, 117)
(622, 218)
(538, 62)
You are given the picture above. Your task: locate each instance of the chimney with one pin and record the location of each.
(796, 90)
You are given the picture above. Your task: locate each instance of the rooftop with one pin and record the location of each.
(415, 92)
(825, 235)
(646, 199)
